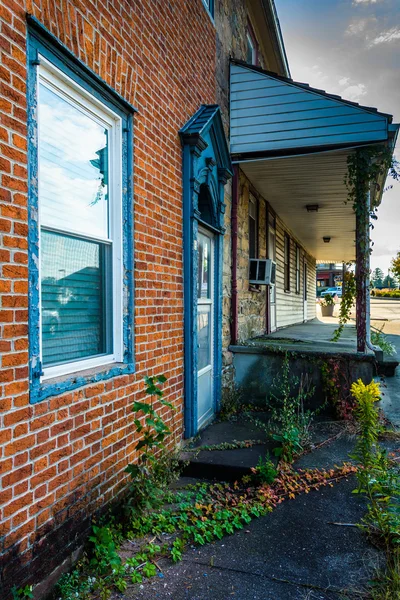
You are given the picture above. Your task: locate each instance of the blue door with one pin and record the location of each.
(205, 327)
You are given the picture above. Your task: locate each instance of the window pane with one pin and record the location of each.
(73, 167)
(73, 299)
(204, 336)
(252, 238)
(204, 264)
(250, 50)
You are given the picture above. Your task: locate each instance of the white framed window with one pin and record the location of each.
(286, 274)
(297, 269)
(253, 227)
(80, 226)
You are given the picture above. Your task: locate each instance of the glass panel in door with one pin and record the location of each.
(205, 302)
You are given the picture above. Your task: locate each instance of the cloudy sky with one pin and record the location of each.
(352, 48)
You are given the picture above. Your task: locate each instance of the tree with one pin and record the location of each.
(389, 282)
(377, 278)
(396, 266)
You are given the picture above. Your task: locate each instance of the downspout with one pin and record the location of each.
(234, 247)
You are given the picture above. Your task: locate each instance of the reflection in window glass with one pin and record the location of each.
(73, 167)
(203, 274)
(251, 50)
(72, 294)
(203, 337)
(253, 227)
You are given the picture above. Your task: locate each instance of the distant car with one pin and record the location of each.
(333, 291)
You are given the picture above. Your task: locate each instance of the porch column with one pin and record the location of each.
(362, 268)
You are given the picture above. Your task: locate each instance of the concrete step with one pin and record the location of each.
(387, 366)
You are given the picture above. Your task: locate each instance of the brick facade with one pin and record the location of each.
(64, 457)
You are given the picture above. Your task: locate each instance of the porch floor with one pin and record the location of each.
(315, 336)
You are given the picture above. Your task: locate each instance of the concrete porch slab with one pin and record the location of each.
(316, 335)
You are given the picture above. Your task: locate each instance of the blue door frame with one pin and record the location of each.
(206, 162)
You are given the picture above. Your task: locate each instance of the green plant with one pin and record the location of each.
(378, 338)
(231, 401)
(104, 550)
(290, 421)
(346, 305)
(368, 419)
(265, 471)
(386, 583)
(379, 480)
(327, 300)
(148, 474)
(22, 593)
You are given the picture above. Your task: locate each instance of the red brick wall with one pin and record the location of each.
(64, 457)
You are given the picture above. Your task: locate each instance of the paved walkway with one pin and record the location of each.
(391, 389)
(306, 549)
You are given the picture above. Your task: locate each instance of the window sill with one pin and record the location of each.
(65, 383)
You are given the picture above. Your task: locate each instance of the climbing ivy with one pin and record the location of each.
(364, 168)
(348, 297)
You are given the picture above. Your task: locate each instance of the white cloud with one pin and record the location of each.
(357, 26)
(354, 92)
(386, 37)
(314, 76)
(355, 2)
(344, 80)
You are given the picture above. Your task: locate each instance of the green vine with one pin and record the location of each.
(348, 297)
(364, 169)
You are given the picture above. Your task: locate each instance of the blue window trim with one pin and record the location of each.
(209, 6)
(41, 42)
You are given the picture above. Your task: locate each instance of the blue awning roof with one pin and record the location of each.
(274, 115)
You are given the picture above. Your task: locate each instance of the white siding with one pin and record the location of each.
(271, 114)
(290, 305)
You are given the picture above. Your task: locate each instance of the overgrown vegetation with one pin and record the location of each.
(24, 593)
(347, 303)
(162, 524)
(155, 467)
(378, 338)
(289, 421)
(379, 480)
(336, 382)
(231, 401)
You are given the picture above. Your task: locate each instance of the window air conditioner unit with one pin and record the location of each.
(262, 271)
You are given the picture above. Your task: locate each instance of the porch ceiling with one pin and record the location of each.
(290, 184)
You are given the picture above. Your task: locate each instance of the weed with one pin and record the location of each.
(22, 593)
(378, 338)
(150, 474)
(290, 421)
(231, 401)
(265, 471)
(379, 480)
(386, 585)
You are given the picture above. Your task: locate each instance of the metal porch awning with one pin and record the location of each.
(293, 141)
